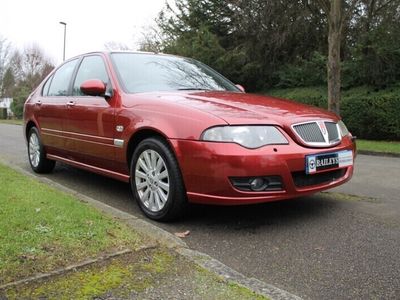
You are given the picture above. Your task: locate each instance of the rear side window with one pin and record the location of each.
(61, 79)
(45, 90)
(92, 67)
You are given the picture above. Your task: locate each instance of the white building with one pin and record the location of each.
(6, 102)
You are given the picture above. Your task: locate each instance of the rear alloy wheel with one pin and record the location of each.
(156, 180)
(37, 155)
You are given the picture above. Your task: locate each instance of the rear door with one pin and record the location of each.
(90, 120)
(50, 107)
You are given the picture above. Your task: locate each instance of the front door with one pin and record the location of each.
(90, 124)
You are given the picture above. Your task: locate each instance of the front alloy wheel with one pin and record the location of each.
(152, 180)
(156, 180)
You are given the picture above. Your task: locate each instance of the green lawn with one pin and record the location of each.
(42, 228)
(378, 146)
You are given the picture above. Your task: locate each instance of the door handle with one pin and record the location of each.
(71, 103)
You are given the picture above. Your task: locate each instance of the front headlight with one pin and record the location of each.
(343, 129)
(247, 136)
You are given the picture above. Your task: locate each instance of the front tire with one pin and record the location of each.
(37, 155)
(156, 180)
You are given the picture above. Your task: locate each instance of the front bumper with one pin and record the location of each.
(207, 168)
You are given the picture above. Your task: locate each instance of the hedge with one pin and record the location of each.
(368, 113)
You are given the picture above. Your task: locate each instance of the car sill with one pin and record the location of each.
(108, 173)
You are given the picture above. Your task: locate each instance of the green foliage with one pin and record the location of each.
(202, 45)
(316, 96)
(21, 93)
(367, 112)
(373, 114)
(304, 72)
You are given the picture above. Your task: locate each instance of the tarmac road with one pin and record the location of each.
(328, 246)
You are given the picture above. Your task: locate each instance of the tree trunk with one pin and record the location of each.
(334, 41)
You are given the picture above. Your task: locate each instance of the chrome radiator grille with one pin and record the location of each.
(318, 133)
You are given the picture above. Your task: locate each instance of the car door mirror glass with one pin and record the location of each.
(93, 87)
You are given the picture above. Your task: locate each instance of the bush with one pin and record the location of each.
(316, 96)
(20, 95)
(373, 114)
(303, 72)
(368, 113)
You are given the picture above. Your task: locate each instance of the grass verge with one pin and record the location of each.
(134, 277)
(12, 121)
(42, 229)
(378, 146)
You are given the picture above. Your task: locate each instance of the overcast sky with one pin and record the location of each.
(90, 23)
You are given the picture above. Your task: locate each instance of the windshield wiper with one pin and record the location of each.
(193, 89)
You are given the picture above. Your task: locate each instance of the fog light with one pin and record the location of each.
(258, 184)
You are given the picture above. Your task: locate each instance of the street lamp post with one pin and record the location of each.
(65, 34)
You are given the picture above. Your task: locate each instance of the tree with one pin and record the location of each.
(337, 14)
(34, 66)
(28, 69)
(113, 45)
(8, 84)
(5, 48)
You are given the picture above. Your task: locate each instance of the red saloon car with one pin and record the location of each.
(179, 132)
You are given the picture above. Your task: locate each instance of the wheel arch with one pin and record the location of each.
(141, 135)
(28, 127)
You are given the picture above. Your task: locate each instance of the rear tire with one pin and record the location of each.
(37, 154)
(156, 181)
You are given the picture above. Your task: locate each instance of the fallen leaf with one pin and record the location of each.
(182, 234)
(27, 257)
(111, 234)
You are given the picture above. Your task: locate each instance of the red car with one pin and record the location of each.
(179, 132)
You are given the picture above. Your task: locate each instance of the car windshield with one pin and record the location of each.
(141, 72)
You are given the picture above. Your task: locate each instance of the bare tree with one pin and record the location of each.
(113, 45)
(151, 40)
(5, 48)
(34, 65)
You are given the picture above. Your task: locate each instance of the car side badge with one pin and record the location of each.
(119, 128)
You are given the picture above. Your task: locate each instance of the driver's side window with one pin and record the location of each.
(92, 67)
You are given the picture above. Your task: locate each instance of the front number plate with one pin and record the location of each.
(321, 162)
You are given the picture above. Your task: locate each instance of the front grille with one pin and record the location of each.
(310, 132)
(318, 133)
(332, 129)
(301, 179)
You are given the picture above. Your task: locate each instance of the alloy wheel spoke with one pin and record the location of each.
(157, 203)
(140, 174)
(147, 159)
(141, 185)
(143, 165)
(162, 195)
(163, 175)
(164, 186)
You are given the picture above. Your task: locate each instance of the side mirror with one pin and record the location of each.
(241, 88)
(93, 87)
